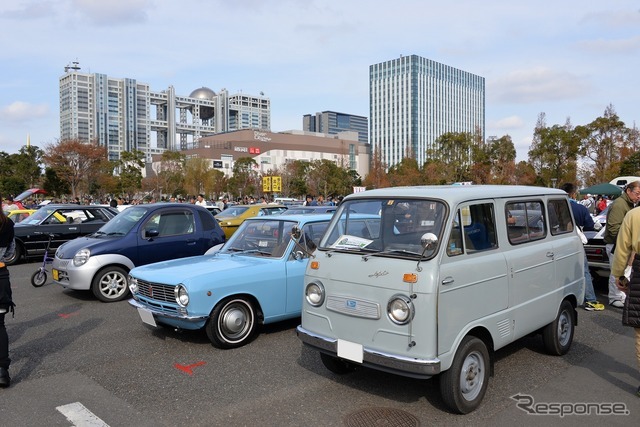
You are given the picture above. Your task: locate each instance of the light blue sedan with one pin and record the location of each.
(256, 278)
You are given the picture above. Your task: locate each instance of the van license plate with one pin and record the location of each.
(350, 351)
(147, 317)
(55, 274)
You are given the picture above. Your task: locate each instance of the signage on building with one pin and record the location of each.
(217, 163)
(261, 136)
(250, 150)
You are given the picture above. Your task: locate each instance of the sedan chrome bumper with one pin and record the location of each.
(167, 315)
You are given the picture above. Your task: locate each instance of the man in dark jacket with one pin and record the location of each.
(585, 222)
(617, 211)
(6, 303)
(627, 243)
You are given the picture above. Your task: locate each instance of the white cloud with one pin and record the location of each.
(537, 85)
(511, 122)
(612, 46)
(20, 111)
(113, 12)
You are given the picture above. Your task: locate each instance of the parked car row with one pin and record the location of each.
(420, 281)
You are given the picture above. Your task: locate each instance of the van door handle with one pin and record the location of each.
(447, 280)
(550, 254)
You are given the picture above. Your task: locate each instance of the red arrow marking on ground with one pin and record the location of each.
(67, 315)
(188, 368)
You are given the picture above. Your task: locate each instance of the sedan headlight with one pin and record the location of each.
(400, 309)
(81, 257)
(314, 293)
(133, 285)
(182, 295)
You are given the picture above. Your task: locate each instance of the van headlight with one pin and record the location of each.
(182, 295)
(400, 309)
(81, 257)
(133, 285)
(314, 293)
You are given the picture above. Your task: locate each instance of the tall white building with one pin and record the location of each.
(125, 115)
(414, 100)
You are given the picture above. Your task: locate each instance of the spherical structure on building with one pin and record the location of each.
(204, 93)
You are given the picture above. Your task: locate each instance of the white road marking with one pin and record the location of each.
(80, 416)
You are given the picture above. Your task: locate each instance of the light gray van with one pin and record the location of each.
(452, 274)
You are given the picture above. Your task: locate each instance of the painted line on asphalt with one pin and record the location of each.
(80, 416)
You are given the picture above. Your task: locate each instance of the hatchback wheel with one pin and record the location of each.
(110, 284)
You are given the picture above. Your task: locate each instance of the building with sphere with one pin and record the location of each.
(126, 115)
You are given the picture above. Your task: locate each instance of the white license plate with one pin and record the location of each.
(146, 316)
(350, 351)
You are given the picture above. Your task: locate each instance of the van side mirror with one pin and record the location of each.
(296, 232)
(429, 241)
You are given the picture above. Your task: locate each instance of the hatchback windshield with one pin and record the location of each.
(391, 227)
(123, 222)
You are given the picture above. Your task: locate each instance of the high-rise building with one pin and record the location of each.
(332, 123)
(126, 115)
(414, 100)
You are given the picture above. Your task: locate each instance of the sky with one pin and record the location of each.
(567, 59)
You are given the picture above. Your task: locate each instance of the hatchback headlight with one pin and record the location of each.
(400, 309)
(182, 295)
(81, 257)
(133, 285)
(314, 293)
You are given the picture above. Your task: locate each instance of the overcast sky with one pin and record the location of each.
(568, 59)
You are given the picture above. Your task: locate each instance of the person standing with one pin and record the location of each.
(628, 244)
(585, 222)
(617, 211)
(7, 246)
(201, 201)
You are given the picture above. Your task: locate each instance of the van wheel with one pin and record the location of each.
(337, 365)
(557, 336)
(110, 284)
(464, 384)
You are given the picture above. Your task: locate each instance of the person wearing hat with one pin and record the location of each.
(587, 202)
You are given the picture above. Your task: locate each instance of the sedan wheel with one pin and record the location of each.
(232, 323)
(110, 284)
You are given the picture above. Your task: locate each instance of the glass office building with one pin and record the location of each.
(332, 123)
(414, 100)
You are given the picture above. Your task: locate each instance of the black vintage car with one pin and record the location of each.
(65, 222)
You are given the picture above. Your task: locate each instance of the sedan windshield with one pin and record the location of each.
(392, 227)
(234, 211)
(266, 237)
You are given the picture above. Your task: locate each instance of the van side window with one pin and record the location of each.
(559, 217)
(473, 230)
(525, 221)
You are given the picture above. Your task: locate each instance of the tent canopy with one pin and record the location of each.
(605, 189)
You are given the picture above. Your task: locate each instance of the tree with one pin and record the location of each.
(73, 161)
(129, 169)
(554, 152)
(377, 176)
(502, 156)
(53, 185)
(171, 173)
(27, 165)
(294, 178)
(405, 173)
(196, 174)
(481, 165)
(601, 142)
(245, 177)
(453, 149)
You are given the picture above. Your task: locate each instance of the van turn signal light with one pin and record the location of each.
(315, 265)
(410, 278)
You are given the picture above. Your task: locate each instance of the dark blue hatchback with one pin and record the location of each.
(139, 235)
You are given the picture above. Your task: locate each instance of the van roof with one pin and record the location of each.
(459, 193)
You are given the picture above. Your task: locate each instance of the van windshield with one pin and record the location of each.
(391, 227)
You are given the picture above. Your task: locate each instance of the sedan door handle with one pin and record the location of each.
(550, 254)
(447, 280)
